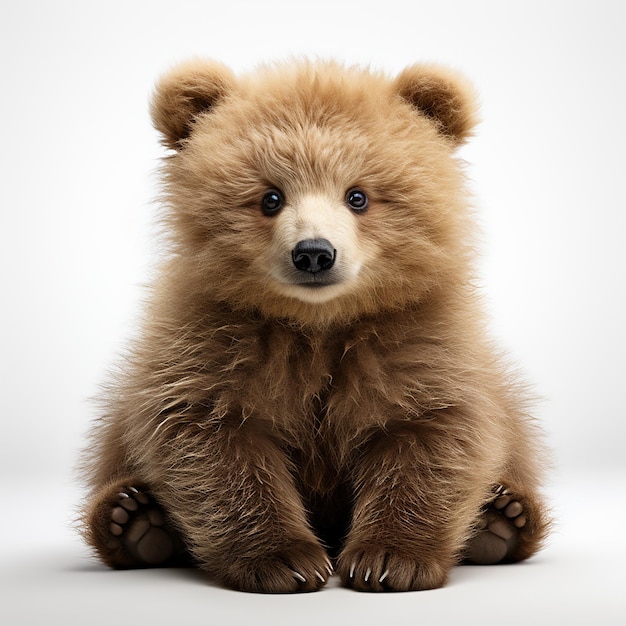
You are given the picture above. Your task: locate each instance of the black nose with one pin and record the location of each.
(313, 255)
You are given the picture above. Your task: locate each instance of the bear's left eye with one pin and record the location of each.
(357, 200)
(272, 202)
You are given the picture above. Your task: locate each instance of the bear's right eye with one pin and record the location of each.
(272, 202)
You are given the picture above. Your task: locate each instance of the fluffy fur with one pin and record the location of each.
(277, 424)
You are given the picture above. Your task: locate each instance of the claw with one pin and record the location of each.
(298, 576)
(385, 574)
(368, 573)
(322, 579)
(352, 568)
(501, 490)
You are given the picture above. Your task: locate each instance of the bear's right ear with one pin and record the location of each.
(184, 93)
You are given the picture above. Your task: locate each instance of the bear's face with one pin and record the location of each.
(313, 192)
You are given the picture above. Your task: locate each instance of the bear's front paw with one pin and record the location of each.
(375, 568)
(299, 566)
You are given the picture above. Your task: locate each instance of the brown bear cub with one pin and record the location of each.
(313, 389)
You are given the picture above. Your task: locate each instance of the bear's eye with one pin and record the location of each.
(357, 200)
(272, 202)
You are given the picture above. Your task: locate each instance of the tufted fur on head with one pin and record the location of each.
(195, 87)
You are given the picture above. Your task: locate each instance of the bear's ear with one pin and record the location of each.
(185, 92)
(441, 95)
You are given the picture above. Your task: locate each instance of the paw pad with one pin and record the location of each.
(137, 523)
(499, 530)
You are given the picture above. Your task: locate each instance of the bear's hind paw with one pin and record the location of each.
(129, 529)
(500, 530)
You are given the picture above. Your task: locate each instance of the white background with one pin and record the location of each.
(77, 195)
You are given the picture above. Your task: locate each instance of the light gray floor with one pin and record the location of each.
(48, 577)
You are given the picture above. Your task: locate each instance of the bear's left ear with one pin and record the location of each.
(442, 96)
(184, 93)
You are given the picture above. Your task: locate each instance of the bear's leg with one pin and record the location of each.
(511, 527)
(128, 529)
(416, 497)
(234, 498)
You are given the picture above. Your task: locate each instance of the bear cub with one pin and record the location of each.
(313, 390)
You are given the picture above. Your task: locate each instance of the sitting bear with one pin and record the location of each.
(313, 389)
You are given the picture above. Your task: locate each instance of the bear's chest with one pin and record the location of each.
(317, 392)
